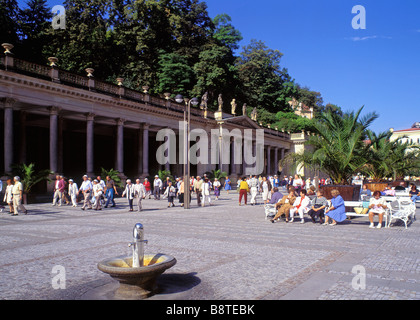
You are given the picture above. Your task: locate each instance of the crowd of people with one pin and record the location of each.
(303, 196)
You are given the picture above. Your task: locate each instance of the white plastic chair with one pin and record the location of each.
(404, 212)
(270, 210)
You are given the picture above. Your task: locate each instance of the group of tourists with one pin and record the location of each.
(201, 187)
(13, 196)
(303, 196)
(98, 193)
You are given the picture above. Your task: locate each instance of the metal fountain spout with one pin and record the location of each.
(138, 245)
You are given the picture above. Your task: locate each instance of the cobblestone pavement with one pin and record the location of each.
(223, 252)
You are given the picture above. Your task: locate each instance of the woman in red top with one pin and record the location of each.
(148, 187)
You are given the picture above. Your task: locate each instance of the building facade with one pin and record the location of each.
(411, 135)
(75, 125)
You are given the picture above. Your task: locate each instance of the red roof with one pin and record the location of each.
(411, 129)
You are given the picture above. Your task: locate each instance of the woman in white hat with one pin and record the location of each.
(73, 192)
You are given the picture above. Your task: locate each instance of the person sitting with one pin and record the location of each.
(283, 207)
(318, 206)
(337, 212)
(300, 206)
(276, 196)
(365, 192)
(414, 193)
(377, 206)
(389, 191)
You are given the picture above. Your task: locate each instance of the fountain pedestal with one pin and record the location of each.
(137, 283)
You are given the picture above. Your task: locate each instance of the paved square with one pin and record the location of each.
(224, 252)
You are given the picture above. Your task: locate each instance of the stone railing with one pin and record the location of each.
(52, 72)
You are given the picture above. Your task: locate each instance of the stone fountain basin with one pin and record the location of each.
(137, 283)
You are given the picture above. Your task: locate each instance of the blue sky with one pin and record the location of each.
(377, 67)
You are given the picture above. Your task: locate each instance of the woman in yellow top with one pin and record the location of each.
(243, 191)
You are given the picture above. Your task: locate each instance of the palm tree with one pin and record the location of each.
(338, 146)
(113, 174)
(163, 174)
(29, 177)
(219, 174)
(404, 159)
(378, 153)
(390, 159)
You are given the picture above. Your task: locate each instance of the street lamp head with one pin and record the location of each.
(194, 101)
(179, 98)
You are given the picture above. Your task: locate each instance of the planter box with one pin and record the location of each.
(348, 193)
(376, 186)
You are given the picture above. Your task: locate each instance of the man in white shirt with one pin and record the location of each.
(157, 186)
(73, 192)
(253, 185)
(17, 193)
(139, 194)
(86, 189)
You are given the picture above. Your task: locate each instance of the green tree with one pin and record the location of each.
(262, 77)
(174, 74)
(9, 21)
(216, 74)
(34, 24)
(85, 42)
(226, 33)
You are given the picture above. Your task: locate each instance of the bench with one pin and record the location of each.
(354, 204)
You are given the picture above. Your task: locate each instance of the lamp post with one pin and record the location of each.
(187, 122)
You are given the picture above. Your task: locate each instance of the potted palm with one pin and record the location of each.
(337, 148)
(29, 177)
(219, 174)
(389, 159)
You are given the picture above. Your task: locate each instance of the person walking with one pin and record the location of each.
(147, 187)
(253, 185)
(266, 189)
(58, 190)
(8, 195)
(243, 191)
(171, 192)
(97, 194)
(86, 189)
(110, 191)
(17, 196)
(198, 184)
(139, 194)
(206, 192)
(217, 185)
(227, 185)
(157, 186)
(73, 192)
(129, 194)
(181, 192)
